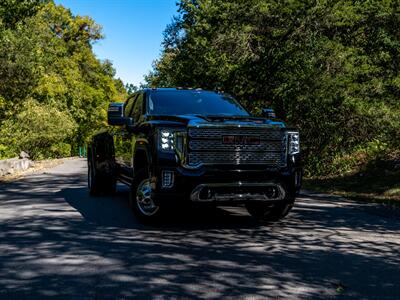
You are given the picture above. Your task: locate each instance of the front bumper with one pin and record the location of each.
(238, 192)
(228, 184)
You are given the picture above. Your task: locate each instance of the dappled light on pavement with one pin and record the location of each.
(56, 240)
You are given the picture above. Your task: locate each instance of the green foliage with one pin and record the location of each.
(130, 88)
(5, 152)
(329, 68)
(14, 11)
(60, 150)
(39, 129)
(377, 180)
(47, 65)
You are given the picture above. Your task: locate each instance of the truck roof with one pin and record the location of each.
(176, 89)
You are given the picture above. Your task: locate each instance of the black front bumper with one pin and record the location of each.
(228, 184)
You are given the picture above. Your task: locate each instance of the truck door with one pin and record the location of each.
(123, 141)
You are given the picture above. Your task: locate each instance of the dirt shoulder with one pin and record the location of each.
(378, 183)
(38, 166)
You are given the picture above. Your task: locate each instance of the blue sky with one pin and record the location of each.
(133, 31)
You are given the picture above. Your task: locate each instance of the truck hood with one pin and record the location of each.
(199, 120)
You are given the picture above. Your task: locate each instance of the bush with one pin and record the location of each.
(5, 152)
(39, 129)
(60, 150)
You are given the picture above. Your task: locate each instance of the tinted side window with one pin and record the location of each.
(129, 105)
(138, 108)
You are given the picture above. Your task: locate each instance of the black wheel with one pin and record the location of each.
(98, 183)
(110, 186)
(143, 206)
(268, 212)
(94, 183)
(271, 212)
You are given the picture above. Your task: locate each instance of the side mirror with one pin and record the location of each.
(115, 114)
(268, 113)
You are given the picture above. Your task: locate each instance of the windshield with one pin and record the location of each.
(193, 103)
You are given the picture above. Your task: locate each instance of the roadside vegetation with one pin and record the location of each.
(54, 92)
(329, 68)
(377, 181)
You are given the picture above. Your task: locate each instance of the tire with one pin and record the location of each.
(98, 183)
(267, 212)
(94, 182)
(110, 187)
(140, 199)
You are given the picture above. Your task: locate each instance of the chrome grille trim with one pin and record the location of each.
(210, 133)
(205, 146)
(269, 158)
(198, 145)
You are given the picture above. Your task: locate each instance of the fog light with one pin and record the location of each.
(167, 179)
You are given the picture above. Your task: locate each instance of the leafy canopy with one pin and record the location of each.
(329, 68)
(48, 70)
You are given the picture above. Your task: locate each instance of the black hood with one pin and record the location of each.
(197, 120)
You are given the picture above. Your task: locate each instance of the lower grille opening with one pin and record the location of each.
(238, 193)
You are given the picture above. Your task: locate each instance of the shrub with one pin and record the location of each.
(39, 129)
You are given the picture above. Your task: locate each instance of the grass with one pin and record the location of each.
(378, 181)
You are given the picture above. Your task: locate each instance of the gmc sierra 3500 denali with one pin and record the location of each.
(176, 146)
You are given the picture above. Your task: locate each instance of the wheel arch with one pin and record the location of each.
(141, 157)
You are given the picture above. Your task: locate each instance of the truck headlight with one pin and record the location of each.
(166, 140)
(294, 143)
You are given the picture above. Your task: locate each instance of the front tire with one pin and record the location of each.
(272, 212)
(142, 203)
(267, 213)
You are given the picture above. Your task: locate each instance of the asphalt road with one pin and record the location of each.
(57, 241)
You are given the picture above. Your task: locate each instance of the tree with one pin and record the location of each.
(14, 11)
(47, 61)
(40, 129)
(327, 67)
(131, 88)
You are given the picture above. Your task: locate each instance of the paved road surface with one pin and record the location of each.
(57, 241)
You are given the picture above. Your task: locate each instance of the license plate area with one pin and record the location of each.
(241, 140)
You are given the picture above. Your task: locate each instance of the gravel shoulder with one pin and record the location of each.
(57, 241)
(38, 166)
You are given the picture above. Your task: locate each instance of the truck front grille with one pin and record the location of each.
(207, 146)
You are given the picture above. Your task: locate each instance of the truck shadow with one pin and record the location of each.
(115, 211)
(57, 241)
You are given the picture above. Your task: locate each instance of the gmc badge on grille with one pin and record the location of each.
(241, 139)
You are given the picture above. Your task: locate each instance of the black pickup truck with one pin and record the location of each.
(176, 146)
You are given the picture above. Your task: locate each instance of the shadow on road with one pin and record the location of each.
(115, 211)
(58, 241)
